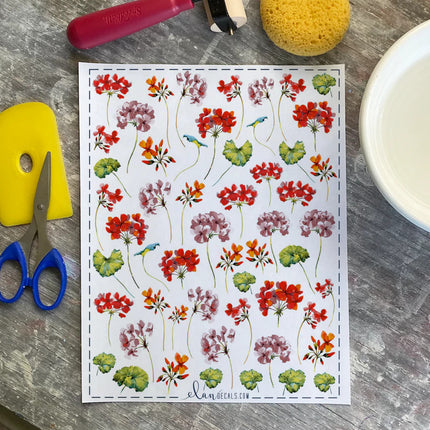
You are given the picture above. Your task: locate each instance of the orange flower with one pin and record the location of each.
(198, 189)
(183, 311)
(327, 338)
(148, 152)
(181, 360)
(252, 245)
(149, 300)
(316, 160)
(151, 82)
(236, 252)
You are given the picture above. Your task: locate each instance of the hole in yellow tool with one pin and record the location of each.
(26, 163)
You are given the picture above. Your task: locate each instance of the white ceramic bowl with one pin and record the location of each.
(395, 125)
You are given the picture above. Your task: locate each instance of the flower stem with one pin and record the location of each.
(298, 335)
(273, 119)
(107, 110)
(243, 114)
(110, 318)
(167, 121)
(134, 148)
(274, 257)
(270, 192)
(164, 331)
(153, 277)
(319, 255)
(222, 175)
(164, 169)
(123, 186)
(95, 225)
(304, 271)
(182, 224)
(213, 158)
(262, 144)
(250, 340)
(126, 289)
(152, 364)
(231, 370)
(306, 173)
(192, 165)
(241, 221)
(176, 121)
(210, 264)
(279, 119)
(270, 374)
(170, 223)
(188, 334)
(334, 306)
(129, 266)
(173, 341)
(326, 181)
(225, 279)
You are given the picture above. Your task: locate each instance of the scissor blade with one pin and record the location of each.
(43, 190)
(40, 212)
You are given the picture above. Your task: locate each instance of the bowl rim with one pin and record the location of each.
(377, 85)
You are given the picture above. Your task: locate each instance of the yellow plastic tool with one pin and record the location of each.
(30, 129)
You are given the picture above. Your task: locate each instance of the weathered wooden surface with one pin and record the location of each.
(389, 258)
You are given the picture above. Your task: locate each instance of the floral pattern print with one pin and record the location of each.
(219, 266)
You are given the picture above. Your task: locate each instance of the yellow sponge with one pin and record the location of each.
(305, 27)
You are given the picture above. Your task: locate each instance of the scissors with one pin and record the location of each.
(47, 256)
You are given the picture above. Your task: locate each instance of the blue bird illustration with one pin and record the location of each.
(148, 248)
(192, 139)
(257, 121)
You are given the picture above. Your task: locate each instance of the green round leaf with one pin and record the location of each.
(293, 254)
(212, 377)
(105, 167)
(293, 379)
(104, 361)
(323, 381)
(292, 155)
(250, 378)
(323, 83)
(132, 377)
(237, 156)
(243, 281)
(108, 266)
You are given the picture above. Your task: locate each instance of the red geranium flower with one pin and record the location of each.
(116, 304)
(240, 313)
(215, 122)
(104, 140)
(179, 263)
(104, 84)
(237, 196)
(278, 298)
(291, 294)
(129, 229)
(315, 116)
(295, 192)
(311, 317)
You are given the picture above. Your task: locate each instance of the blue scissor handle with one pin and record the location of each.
(14, 252)
(52, 259)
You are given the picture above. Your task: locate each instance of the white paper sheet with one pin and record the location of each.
(213, 210)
